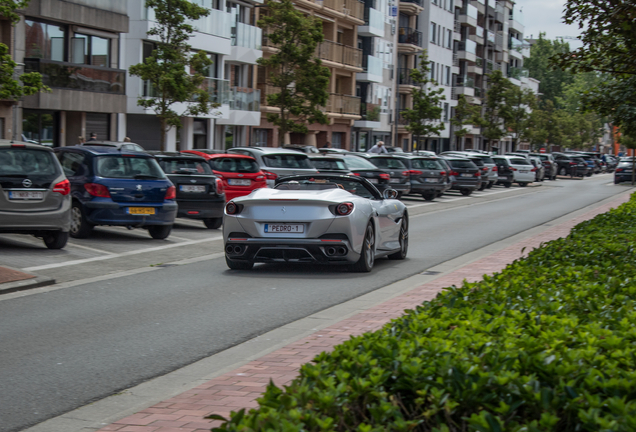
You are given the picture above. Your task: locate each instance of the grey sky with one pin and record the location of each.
(546, 16)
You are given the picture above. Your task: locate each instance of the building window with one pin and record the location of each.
(433, 32)
(90, 50)
(446, 111)
(448, 75)
(449, 42)
(336, 139)
(259, 137)
(432, 66)
(44, 41)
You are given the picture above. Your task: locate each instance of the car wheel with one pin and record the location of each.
(616, 181)
(56, 239)
(490, 185)
(563, 171)
(404, 240)
(159, 232)
(80, 228)
(213, 223)
(367, 254)
(523, 184)
(507, 184)
(429, 196)
(238, 265)
(482, 187)
(466, 192)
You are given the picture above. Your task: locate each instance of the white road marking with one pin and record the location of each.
(90, 248)
(123, 254)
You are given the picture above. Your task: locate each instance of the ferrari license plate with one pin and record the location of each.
(24, 195)
(284, 228)
(141, 210)
(239, 182)
(192, 188)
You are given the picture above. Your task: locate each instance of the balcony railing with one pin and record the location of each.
(479, 62)
(470, 11)
(465, 82)
(217, 23)
(517, 73)
(218, 89)
(370, 112)
(468, 46)
(354, 8)
(372, 65)
(491, 36)
(374, 19)
(411, 36)
(343, 104)
(339, 53)
(479, 31)
(417, 2)
(80, 77)
(245, 99)
(517, 14)
(515, 44)
(477, 92)
(247, 36)
(404, 76)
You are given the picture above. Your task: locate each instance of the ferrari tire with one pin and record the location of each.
(238, 265)
(404, 240)
(213, 223)
(367, 253)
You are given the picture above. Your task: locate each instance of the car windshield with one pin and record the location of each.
(486, 159)
(430, 164)
(234, 165)
(519, 161)
(128, 167)
(287, 161)
(458, 163)
(184, 166)
(351, 186)
(23, 161)
(388, 163)
(355, 162)
(329, 164)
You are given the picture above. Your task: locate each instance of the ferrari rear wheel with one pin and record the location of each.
(404, 240)
(367, 254)
(238, 265)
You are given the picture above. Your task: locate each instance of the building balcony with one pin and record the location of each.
(467, 50)
(479, 4)
(373, 69)
(217, 23)
(343, 104)
(517, 73)
(339, 53)
(490, 36)
(411, 7)
(218, 89)
(373, 23)
(409, 36)
(465, 85)
(247, 36)
(477, 68)
(352, 8)
(72, 76)
(370, 114)
(404, 77)
(245, 99)
(477, 36)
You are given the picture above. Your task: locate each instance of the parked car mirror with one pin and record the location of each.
(390, 194)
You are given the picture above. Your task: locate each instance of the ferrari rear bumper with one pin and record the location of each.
(326, 251)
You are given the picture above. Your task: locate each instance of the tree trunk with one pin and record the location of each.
(162, 142)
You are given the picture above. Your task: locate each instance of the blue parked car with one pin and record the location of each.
(110, 186)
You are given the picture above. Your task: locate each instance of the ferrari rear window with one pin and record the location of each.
(287, 161)
(234, 165)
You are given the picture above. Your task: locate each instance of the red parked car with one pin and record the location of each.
(240, 173)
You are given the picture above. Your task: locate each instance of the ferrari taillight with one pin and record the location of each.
(232, 208)
(344, 209)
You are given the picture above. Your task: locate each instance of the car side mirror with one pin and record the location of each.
(389, 194)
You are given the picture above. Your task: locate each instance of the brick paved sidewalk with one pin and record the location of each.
(240, 388)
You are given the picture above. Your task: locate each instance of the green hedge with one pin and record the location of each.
(548, 344)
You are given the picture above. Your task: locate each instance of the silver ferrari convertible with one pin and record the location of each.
(317, 218)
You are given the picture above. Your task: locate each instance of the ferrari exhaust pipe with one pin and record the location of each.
(331, 251)
(229, 249)
(233, 249)
(341, 250)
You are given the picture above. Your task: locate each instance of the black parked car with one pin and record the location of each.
(199, 192)
(477, 160)
(571, 165)
(623, 172)
(329, 164)
(393, 165)
(429, 176)
(348, 163)
(467, 174)
(505, 171)
(549, 164)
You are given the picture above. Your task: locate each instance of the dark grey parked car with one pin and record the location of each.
(34, 193)
(393, 165)
(467, 174)
(429, 176)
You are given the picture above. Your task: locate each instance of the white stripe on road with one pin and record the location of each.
(123, 254)
(89, 248)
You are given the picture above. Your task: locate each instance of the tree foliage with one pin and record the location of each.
(465, 114)
(424, 118)
(495, 106)
(294, 70)
(28, 83)
(552, 79)
(519, 103)
(175, 74)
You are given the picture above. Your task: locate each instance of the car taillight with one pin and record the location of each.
(270, 175)
(260, 177)
(232, 208)
(619, 169)
(63, 187)
(533, 170)
(453, 173)
(494, 169)
(18, 145)
(218, 174)
(406, 173)
(415, 172)
(484, 169)
(97, 190)
(478, 174)
(356, 174)
(344, 209)
(219, 186)
(171, 193)
(572, 163)
(513, 169)
(385, 176)
(442, 173)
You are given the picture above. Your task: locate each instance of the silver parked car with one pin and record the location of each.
(34, 193)
(318, 218)
(277, 162)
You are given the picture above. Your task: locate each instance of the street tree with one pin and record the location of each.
(424, 119)
(544, 126)
(465, 114)
(519, 104)
(552, 79)
(300, 79)
(628, 139)
(495, 107)
(29, 83)
(174, 72)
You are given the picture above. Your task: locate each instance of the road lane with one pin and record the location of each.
(62, 349)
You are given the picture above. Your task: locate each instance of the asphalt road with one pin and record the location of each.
(64, 348)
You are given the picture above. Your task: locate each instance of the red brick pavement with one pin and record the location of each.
(239, 388)
(10, 275)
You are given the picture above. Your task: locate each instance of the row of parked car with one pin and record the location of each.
(54, 193)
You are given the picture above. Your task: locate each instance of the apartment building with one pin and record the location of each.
(73, 44)
(491, 39)
(232, 41)
(340, 53)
